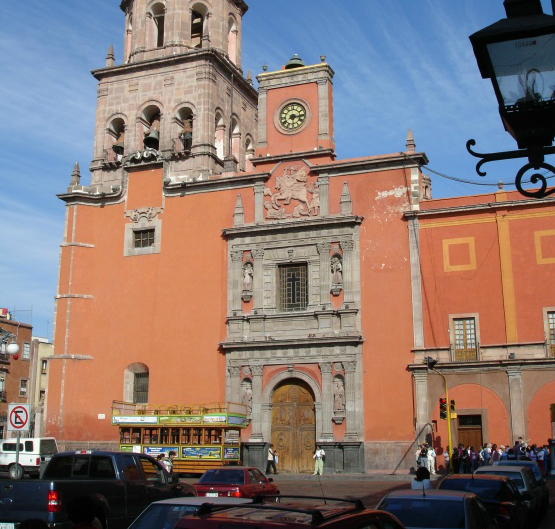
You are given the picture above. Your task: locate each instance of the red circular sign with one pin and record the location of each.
(19, 417)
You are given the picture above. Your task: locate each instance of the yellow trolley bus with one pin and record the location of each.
(201, 437)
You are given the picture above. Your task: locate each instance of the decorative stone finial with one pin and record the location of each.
(323, 58)
(264, 67)
(249, 77)
(411, 146)
(345, 203)
(238, 212)
(110, 58)
(75, 175)
(500, 185)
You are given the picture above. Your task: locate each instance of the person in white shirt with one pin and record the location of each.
(319, 456)
(431, 460)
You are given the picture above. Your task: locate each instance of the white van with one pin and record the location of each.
(34, 453)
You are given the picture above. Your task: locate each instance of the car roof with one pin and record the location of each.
(200, 500)
(231, 468)
(482, 477)
(432, 494)
(512, 468)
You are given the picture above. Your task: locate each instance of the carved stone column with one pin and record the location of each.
(421, 396)
(233, 386)
(347, 247)
(518, 422)
(327, 401)
(351, 432)
(323, 190)
(235, 288)
(259, 202)
(323, 110)
(262, 141)
(416, 283)
(256, 434)
(258, 279)
(324, 252)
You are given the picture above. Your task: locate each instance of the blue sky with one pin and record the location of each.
(398, 64)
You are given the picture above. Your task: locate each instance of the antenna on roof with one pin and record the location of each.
(423, 490)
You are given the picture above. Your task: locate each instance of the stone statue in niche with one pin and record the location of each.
(338, 395)
(246, 393)
(336, 265)
(248, 274)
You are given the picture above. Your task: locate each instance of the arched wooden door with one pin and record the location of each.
(294, 426)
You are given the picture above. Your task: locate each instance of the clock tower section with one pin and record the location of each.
(295, 107)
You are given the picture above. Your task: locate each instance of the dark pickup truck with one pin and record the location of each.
(120, 484)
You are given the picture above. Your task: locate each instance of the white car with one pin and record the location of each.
(165, 514)
(34, 454)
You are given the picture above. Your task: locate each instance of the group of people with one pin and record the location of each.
(319, 457)
(466, 459)
(166, 460)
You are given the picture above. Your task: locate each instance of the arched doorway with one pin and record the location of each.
(294, 425)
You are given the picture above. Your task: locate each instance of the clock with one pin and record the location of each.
(292, 116)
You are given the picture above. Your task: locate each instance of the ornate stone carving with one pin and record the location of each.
(350, 366)
(236, 255)
(248, 274)
(234, 371)
(146, 156)
(338, 395)
(257, 370)
(347, 245)
(258, 253)
(325, 367)
(246, 370)
(143, 213)
(336, 265)
(323, 248)
(292, 185)
(246, 393)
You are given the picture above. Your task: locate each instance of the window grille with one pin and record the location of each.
(293, 287)
(144, 238)
(470, 420)
(551, 339)
(26, 353)
(140, 388)
(466, 349)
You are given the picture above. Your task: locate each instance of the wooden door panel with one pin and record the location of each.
(470, 437)
(293, 426)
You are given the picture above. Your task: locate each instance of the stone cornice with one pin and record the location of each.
(207, 54)
(296, 342)
(92, 196)
(370, 164)
(303, 224)
(276, 158)
(488, 365)
(484, 206)
(173, 188)
(308, 74)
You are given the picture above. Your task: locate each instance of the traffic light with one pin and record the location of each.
(443, 408)
(452, 408)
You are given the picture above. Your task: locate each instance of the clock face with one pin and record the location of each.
(292, 116)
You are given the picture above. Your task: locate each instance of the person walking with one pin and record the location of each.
(271, 464)
(319, 458)
(431, 457)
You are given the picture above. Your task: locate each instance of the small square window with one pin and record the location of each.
(293, 287)
(43, 366)
(23, 387)
(143, 238)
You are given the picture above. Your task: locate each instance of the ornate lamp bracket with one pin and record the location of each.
(535, 161)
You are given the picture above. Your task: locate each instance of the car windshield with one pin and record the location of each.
(162, 516)
(532, 466)
(223, 476)
(426, 512)
(515, 477)
(485, 489)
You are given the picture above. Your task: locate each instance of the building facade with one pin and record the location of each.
(222, 251)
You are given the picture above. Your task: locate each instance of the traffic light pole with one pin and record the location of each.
(449, 438)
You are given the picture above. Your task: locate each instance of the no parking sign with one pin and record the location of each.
(18, 417)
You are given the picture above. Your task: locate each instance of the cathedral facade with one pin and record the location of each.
(222, 252)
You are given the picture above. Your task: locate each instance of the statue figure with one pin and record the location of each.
(336, 270)
(246, 397)
(338, 395)
(248, 273)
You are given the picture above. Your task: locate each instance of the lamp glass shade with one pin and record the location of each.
(12, 348)
(524, 70)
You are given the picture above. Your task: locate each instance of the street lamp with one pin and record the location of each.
(517, 54)
(11, 348)
(430, 364)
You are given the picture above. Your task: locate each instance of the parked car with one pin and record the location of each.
(238, 482)
(165, 514)
(34, 454)
(540, 478)
(120, 484)
(293, 512)
(445, 509)
(534, 495)
(498, 493)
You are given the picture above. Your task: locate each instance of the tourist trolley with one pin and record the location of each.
(201, 436)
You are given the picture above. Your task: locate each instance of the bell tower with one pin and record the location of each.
(179, 95)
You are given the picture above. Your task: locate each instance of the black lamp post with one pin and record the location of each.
(518, 54)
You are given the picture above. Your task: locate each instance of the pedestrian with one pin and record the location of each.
(271, 463)
(447, 457)
(319, 458)
(423, 457)
(473, 459)
(487, 454)
(422, 480)
(431, 460)
(540, 458)
(168, 464)
(495, 455)
(417, 455)
(456, 460)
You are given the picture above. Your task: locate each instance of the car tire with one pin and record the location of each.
(15, 471)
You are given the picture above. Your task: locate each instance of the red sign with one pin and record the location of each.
(18, 417)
